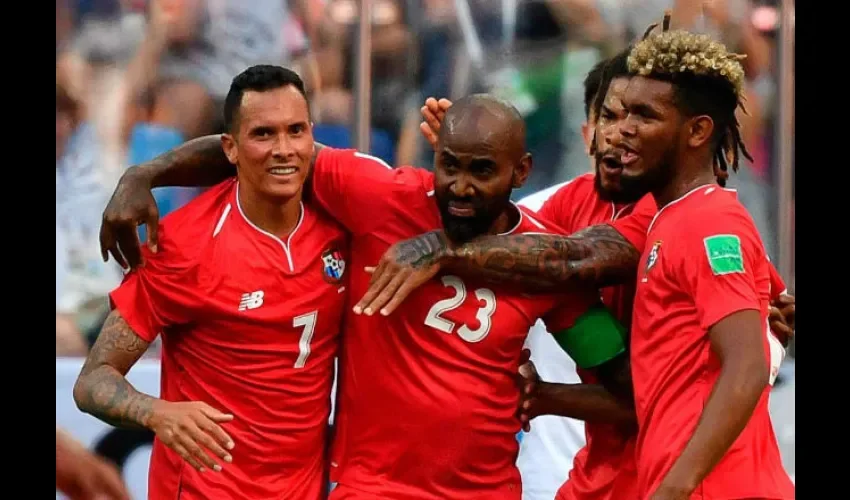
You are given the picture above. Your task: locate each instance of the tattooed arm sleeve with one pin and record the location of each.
(596, 256)
(199, 162)
(102, 389)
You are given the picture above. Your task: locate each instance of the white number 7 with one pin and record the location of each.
(308, 321)
(483, 315)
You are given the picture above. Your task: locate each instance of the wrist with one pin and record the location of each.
(138, 175)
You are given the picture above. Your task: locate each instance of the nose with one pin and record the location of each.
(282, 146)
(461, 187)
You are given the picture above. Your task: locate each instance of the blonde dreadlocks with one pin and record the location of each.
(708, 80)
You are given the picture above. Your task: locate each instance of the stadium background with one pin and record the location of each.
(137, 77)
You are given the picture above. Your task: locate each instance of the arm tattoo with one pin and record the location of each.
(199, 162)
(101, 389)
(595, 257)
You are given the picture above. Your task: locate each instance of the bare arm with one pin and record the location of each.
(102, 389)
(596, 256)
(199, 162)
(610, 401)
(737, 340)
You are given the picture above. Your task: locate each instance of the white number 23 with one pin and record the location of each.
(483, 315)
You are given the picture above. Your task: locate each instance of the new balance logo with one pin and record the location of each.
(251, 300)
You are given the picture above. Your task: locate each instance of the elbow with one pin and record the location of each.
(81, 393)
(751, 378)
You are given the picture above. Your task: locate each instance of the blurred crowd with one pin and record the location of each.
(135, 78)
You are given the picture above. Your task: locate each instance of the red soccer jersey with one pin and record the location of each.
(705, 262)
(604, 469)
(249, 326)
(427, 397)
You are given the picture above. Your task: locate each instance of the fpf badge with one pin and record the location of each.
(651, 260)
(333, 265)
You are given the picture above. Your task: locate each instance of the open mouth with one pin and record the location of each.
(461, 209)
(283, 171)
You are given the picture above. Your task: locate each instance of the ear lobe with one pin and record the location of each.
(522, 171)
(228, 144)
(701, 130)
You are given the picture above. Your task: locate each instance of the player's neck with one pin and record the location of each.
(276, 216)
(508, 219)
(683, 182)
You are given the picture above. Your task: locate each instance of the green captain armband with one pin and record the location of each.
(596, 337)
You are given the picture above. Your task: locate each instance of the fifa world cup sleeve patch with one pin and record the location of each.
(724, 254)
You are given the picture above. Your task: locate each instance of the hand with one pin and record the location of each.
(404, 267)
(131, 205)
(528, 382)
(782, 317)
(186, 426)
(671, 492)
(433, 113)
(80, 474)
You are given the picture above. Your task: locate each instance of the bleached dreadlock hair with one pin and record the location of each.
(708, 80)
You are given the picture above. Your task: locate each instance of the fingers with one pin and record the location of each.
(433, 120)
(108, 246)
(416, 279)
(189, 439)
(152, 222)
(378, 281)
(129, 245)
(185, 455)
(444, 104)
(204, 437)
(429, 134)
(386, 293)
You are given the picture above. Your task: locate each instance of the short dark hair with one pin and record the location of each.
(258, 78)
(599, 78)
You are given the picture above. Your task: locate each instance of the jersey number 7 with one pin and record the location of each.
(483, 315)
(308, 321)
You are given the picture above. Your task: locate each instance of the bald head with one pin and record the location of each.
(485, 122)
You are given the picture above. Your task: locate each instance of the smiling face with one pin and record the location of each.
(271, 141)
(639, 136)
(480, 159)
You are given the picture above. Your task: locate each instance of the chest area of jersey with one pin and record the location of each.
(470, 312)
(258, 291)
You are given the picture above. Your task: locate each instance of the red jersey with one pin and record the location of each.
(249, 326)
(604, 469)
(427, 397)
(705, 262)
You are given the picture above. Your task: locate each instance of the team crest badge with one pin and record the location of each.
(333, 265)
(652, 259)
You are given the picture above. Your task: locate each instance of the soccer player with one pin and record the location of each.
(246, 287)
(427, 396)
(605, 468)
(709, 382)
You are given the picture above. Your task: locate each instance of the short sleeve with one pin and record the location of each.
(777, 284)
(358, 189)
(568, 308)
(634, 226)
(161, 293)
(549, 204)
(721, 256)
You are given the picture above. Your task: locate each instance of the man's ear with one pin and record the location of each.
(228, 144)
(522, 171)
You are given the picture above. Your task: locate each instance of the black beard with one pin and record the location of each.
(463, 229)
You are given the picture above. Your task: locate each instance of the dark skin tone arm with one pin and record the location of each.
(594, 257)
(737, 341)
(610, 401)
(197, 163)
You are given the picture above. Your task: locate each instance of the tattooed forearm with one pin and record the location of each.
(101, 389)
(596, 256)
(199, 162)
